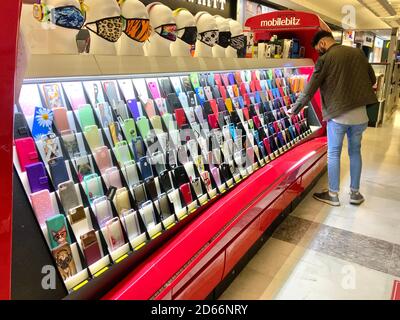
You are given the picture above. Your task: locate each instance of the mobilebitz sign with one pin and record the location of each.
(277, 22)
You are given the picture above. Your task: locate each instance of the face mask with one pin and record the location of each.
(209, 38)
(189, 35)
(109, 29)
(66, 17)
(167, 31)
(238, 42)
(137, 29)
(224, 39)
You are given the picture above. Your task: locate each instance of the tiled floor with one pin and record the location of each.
(346, 252)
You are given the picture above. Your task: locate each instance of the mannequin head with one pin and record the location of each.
(223, 37)
(164, 30)
(207, 34)
(134, 33)
(237, 42)
(186, 33)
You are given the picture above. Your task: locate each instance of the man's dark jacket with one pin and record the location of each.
(345, 78)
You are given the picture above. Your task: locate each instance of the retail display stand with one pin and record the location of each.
(173, 230)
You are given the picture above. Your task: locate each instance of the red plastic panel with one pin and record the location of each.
(241, 245)
(201, 286)
(396, 290)
(270, 214)
(9, 14)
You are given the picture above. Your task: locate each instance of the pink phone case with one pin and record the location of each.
(42, 206)
(103, 158)
(154, 90)
(150, 109)
(26, 152)
(112, 178)
(216, 175)
(61, 119)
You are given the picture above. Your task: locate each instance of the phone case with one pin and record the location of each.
(93, 187)
(53, 95)
(182, 154)
(122, 153)
(186, 193)
(77, 214)
(103, 158)
(207, 92)
(37, 177)
(26, 152)
(42, 206)
(216, 174)
(139, 149)
(42, 122)
(130, 172)
(143, 126)
(102, 210)
(83, 166)
(57, 231)
(131, 223)
(129, 128)
(122, 202)
(163, 207)
(194, 79)
(149, 108)
(162, 106)
(180, 118)
(158, 161)
(176, 83)
(196, 184)
(145, 167)
(174, 198)
(112, 178)
(68, 196)
(61, 119)
(192, 97)
(64, 261)
(213, 122)
(114, 234)
(165, 180)
(168, 121)
(134, 108)
(86, 117)
(140, 194)
(92, 136)
(147, 214)
(110, 88)
(183, 99)
(225, 171)
(153, 88)
(205, 175)
(200, 95)
(150, 186)
(156, 123)
(141, 88)
(180, 175)
(90, 247)
(50, 146)
(21, 129)
(104, 113)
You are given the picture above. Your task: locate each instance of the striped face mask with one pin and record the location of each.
(137, 29)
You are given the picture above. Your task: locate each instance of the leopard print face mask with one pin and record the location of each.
(109, 29)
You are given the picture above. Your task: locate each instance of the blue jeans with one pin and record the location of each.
(336, 133)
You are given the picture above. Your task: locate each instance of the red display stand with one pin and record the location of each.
(205, 252)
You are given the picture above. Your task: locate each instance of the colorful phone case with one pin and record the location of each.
(57, 231)
(64, 261)
(37, 177)
(42, 122)
(143, 126)
(93, 137)
(61, 119)
(186, 193)
(86, 117)
(26, 152)
(53, 95)
(93, 187)
(58, 171)
(90, 247)
(42, 206)
(110, 88)
(103, 158)
(112, 178)
(149, 108)
(134, 108)
(153, 88)
(104, 114)
(129, 128)
(122, 153)
(180, 118)
(114, 234)
(145, 167)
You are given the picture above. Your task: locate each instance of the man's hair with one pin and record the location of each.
(319, 35)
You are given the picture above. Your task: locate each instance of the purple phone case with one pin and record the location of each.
(133, 106)
(37, 177)
(221, 104)
(231, 79)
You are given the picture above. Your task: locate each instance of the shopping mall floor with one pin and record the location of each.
(346, 252)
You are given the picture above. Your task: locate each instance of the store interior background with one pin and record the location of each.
(376, 32)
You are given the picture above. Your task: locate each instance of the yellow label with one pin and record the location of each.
(100, 272)
(183, 217)
(121, 258)
(171, 225)
(156, 235)
(76, 288)
(140, 246)
(204, 202)
(193, 210)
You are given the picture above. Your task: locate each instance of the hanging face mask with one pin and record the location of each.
(238, 42)
(137, 29)
(66, 17)
(187, 34)
(224, 39)
(167, 31)
(109, 29)
(209, 38)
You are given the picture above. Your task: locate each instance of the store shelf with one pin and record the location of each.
(255, 203)
(62, 66)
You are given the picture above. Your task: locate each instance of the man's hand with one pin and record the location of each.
(296, 107)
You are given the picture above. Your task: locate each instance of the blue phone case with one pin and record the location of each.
(42, 122)
(138, 147)
(134, 108)
(58, 171)
(200, 95)
(145, 168)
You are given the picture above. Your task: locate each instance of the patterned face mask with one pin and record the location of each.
(209, 38)
(137, 29)
(66, 17)
(238, 42)
(109, 29)
(187, 35)
(167, 31)
(224, 39)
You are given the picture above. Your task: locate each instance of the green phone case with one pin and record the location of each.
(121, 151)
(156, 123)
(86, 117)
(129, 128)
(169, 121)
(93, 193)
(143, 126)
(92, 136)
(194, 79)
(58, 231)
